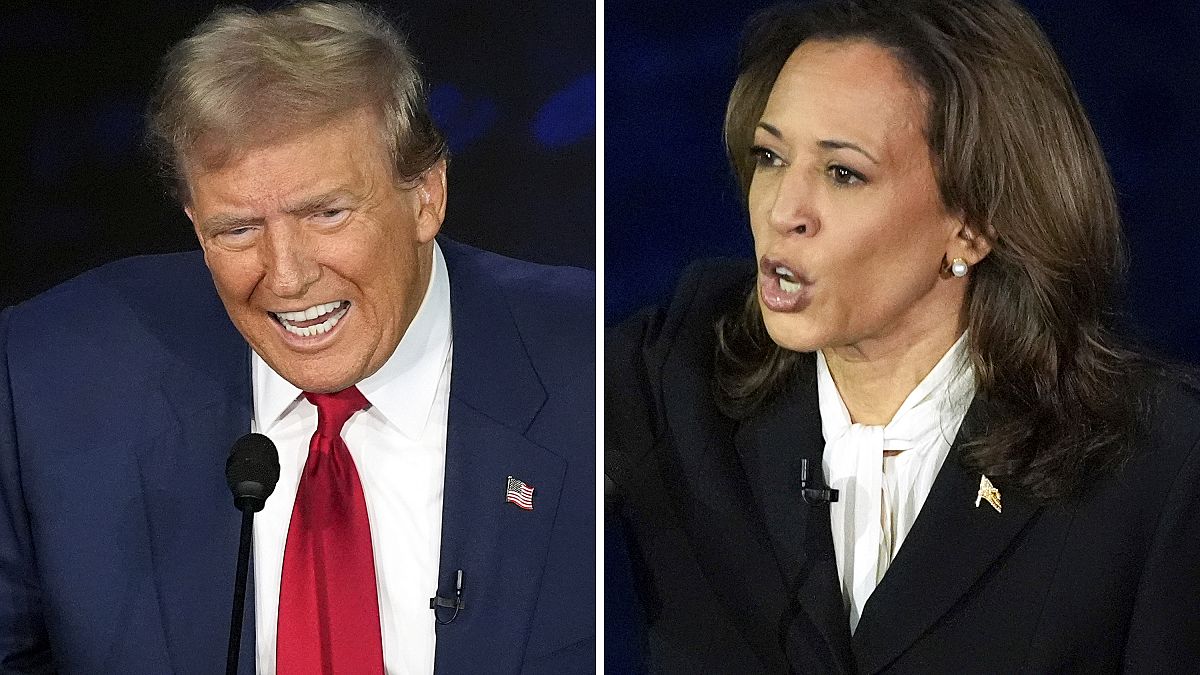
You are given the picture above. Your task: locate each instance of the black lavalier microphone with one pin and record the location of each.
(252, 471)
(456, 603)
(814, 490)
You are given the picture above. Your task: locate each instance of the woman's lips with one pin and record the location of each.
(782, 287)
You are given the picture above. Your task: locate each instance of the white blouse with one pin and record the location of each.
(880, 496)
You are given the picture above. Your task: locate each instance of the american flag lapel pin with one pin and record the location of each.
(988, 492)
(520, 493)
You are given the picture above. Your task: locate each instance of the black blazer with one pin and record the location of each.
(734, 573)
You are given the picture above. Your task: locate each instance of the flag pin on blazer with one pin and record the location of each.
(989, 492)
(520, 493)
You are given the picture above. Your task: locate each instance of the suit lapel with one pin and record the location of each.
(814, 631)
(193, 526)
(952, 543)
(501, 549)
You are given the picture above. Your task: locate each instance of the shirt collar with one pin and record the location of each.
(402, 391)
(944, 393)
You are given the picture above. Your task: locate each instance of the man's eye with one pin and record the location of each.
(238, 233)
(844, 176)
(330, 215)
(764, 157)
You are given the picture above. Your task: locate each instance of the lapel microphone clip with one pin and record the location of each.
(456, 603)
(814, 491)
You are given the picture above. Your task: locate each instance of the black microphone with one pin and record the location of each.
(456, 603)
(814, 490)
(252, 471)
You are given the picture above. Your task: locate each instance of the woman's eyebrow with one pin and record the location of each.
(825, 144)
(835, 144)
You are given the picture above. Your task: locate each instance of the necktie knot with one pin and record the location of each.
(335, 408)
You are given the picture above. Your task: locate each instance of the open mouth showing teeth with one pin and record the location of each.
(788, 282)
(315, 320)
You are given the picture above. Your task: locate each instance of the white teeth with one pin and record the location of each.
(312, 313)
(787, 280)
(789, 286)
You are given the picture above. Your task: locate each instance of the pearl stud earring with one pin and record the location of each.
(958, 267)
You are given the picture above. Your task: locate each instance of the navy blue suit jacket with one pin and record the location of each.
(121, 393)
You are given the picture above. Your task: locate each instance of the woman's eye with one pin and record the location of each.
(844, 176)
(765, 157)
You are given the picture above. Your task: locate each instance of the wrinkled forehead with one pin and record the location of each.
(216, 148)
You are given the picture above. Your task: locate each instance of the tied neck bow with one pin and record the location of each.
(884, 472)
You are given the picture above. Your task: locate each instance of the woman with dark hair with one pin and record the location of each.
(907, 440)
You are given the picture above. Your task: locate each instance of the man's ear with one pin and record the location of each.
(187, 209)
(430, 191)
(191, 215)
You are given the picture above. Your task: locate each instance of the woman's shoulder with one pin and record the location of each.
(658, 364)
(1164, 456)
(707, 290)
(1172, 410)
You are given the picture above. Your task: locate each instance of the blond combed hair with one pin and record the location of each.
(245, 78)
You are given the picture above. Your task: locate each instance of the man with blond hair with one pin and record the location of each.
(432, 404)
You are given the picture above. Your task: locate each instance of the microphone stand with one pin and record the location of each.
(239, 594)
(251, 471)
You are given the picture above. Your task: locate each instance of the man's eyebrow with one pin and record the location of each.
(303, 206)
(228, 222)
(317, 202)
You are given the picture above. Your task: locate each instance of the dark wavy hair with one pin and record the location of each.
(1015, 154)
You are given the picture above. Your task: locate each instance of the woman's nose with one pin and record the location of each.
(792, 208)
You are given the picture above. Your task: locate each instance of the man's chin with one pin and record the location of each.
(319, 384)
(316, 373)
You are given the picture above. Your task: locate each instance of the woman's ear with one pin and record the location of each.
(968, 243)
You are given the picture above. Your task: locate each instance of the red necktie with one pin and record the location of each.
(328, 607)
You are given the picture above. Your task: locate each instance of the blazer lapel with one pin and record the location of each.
(952, 543)
(501, 548)
(814, 631)
(193, 525)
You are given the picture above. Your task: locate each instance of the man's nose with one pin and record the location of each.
(289, 265)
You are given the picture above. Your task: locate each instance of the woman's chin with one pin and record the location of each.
(791, 332)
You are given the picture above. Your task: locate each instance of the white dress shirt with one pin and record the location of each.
(880, 496)
(399, 447)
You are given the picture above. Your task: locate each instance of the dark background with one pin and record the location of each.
(671, 198)
(512, 85)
